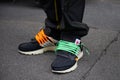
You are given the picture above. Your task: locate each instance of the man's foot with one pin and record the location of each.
(68, 54)
(38, 45)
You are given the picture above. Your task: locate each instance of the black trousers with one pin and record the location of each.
(64, 17)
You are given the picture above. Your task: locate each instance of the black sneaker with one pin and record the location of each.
(39, 45)
(68, 54)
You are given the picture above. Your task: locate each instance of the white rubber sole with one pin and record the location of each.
(72, 68)
(40, 51)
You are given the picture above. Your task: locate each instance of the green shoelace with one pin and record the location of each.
(71, 47)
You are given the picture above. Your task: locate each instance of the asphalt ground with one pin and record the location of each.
(19, 23)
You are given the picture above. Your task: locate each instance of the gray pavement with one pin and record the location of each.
(20, 23)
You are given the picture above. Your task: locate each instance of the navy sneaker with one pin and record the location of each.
(67, 56)
(38, 45)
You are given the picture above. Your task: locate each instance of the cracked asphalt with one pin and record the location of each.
(19, 23)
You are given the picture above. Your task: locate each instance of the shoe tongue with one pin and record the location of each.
(77, 41)
(47, 31)
(66, 54)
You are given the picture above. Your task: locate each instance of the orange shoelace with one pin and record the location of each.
(41, 37)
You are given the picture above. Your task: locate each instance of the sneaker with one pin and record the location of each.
(68, 54)
(40, 44)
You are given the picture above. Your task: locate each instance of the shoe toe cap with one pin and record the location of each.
(61, 63)
(28, 46)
